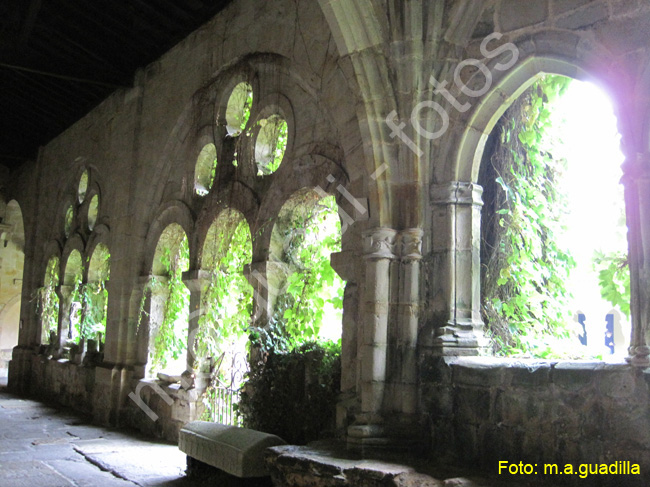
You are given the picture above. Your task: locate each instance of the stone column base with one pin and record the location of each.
(402, 436)
(460, 339)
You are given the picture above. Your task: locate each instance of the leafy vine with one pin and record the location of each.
(524, 271)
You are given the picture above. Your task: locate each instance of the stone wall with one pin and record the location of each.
(63, 382)
(484, 410)
(167, 408)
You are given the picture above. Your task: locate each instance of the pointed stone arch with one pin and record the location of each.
(12, 263)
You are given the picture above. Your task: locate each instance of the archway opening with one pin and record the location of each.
(93, 324)
(170, 299)
(553, 246)
(72, 290)
(226, 309)
(12, 259)
(306, 294)
(48, 303)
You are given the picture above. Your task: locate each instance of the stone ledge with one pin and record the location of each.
(330, 464)
(495, 371)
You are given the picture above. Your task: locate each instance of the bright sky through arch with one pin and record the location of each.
(585, 121)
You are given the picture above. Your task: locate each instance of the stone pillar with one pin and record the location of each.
(408, 318)
(457, 327)
(152, 309)
(345, 264)
(138, 343)
(196, 282)
(64, 293)
(255, 274)
(636, 181)
(379, 253)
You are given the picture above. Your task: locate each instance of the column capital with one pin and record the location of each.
(379, 243)
(411, 244)
(456, 193)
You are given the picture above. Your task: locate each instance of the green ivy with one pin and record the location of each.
(293, 395)
(246, 110)
(227, 299)
(170, 339)
(47, 301)
(77, 304)
(281, 137)
(311, 235)
(614, 279)
(524, 271)
(92, 298)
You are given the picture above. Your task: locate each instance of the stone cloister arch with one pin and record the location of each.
(225, 309)
(12, 257)
(163, 244)
(465, 167)
(313, 158)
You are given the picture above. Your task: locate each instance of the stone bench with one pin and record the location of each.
(237, 451)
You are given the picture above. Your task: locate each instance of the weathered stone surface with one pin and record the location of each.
(332, 466)
(417, 480)
(515, 14)
(237, 451)
(561, 6)
(584, 17)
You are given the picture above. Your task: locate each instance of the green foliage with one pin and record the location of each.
(281, 139)
(47, 301)
(272, 137)
(170, 338)
(246, 110)
(227, 299)
(293, 395)
(310, 235)
(93, 297)
(92, 318)
(524, 270)
(76, 307)
(614, 279)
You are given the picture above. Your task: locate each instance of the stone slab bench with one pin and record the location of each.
(237, 451)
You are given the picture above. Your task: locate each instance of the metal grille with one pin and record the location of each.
(224, 395)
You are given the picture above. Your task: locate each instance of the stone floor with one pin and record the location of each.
(41, 446)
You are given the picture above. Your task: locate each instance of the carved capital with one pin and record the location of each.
(456, 193)
(379, 243)
(411, 244)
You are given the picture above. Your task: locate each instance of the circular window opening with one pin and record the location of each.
(93, 211)
(270, 145)
(69, 216)
(238, 110)
(83, 186)
(205, 170)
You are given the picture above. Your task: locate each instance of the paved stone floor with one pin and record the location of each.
(41, 446)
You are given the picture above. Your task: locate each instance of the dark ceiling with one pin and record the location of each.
(60, 58)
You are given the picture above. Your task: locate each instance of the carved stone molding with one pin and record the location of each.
(379, 243)
(457, 193)
(411, 244)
